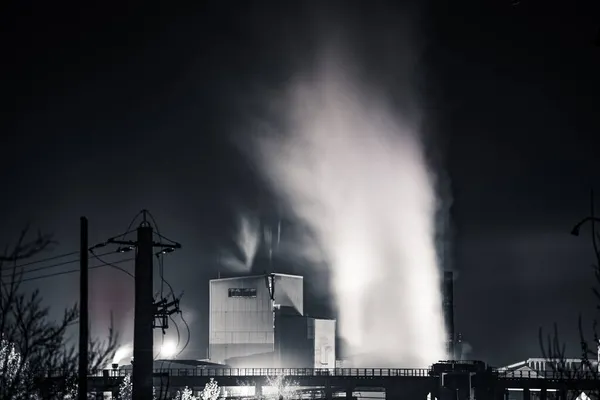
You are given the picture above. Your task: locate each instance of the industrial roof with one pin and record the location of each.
(256, 276)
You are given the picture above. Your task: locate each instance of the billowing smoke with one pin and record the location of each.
(355, 173)
(247, 241)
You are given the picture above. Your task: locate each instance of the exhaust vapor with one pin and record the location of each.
(247, 241)
(355, 174)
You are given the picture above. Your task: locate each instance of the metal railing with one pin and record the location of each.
(298, 372)
(335, 372)
(554, 375)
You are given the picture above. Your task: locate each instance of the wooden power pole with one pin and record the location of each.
(84, 320)
(145, 308)
(143, 339)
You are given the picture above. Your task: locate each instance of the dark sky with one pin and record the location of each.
(108, 110)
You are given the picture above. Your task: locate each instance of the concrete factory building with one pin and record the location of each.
(258, 322)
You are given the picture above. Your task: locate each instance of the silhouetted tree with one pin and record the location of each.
(554, 350)
(36, 361)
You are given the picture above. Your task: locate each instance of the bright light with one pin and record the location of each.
(356, 174)
(121, 353)
(168, 349)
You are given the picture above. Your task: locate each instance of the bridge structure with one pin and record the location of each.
(443, 381)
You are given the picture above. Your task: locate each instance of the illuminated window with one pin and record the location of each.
(242, 292)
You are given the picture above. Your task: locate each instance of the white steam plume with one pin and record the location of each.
(356, 174)
(247, 240)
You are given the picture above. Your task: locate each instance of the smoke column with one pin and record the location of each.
(355, 173)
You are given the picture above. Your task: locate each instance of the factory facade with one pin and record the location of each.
(259, 322)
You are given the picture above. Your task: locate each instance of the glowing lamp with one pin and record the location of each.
(168, 349)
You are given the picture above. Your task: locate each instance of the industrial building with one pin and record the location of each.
(259, 322)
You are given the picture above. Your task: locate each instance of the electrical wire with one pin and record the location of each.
(50, 266)
(177, 330)
(76, 270)
(162, 362)
(163, 282)
(111, 265)
(177, 327)
(162, 277)
(42, 260)
(133, 220)
(19, 273)
(129, 230)
(188, 334)
(162, 343)
(166, 238)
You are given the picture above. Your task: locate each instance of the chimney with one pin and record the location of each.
(459, 349)
(448, 309)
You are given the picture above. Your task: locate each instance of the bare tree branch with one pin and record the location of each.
(35, 357)
(587, 366)
(27, 249)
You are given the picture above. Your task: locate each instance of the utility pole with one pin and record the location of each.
(83, 311)
(143, 339)
(145, 308)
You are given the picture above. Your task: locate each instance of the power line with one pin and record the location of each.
(177, 329)
(77, 270)
(42, 260)
(19, 273)
(10, 275)
(189, 334)
(163, 281)
(111, 264)
(129, 230)
(161, 272)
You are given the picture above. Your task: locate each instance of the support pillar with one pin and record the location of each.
(526, 394)
(328, 391)
(258, 390)
(562, 394)
(543, 394)
(349, 393)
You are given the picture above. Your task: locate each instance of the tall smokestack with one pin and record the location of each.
(448, 309)
(459, 348)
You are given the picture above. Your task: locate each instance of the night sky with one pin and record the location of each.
(108, 110)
